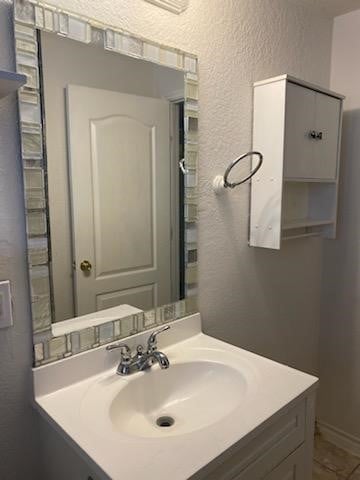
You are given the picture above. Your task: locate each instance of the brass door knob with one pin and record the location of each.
(85, 266)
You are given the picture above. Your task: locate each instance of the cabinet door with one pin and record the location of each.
(292, 468)
(327, 124)
(300, 120)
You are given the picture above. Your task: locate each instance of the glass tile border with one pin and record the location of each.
(175, 6)
(29, 17)
(57, 348)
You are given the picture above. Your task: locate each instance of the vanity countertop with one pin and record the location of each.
(76, 395)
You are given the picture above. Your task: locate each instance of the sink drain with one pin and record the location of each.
(165, 421)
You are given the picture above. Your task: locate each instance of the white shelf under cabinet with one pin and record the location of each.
(10, 82)
(300, 235)
(306, 222)
(294, 194)
(309, 180)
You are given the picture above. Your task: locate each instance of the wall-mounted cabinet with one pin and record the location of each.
(297, 128)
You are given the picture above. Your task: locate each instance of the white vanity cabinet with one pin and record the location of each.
(297, 128)
(292, 468)
(281, 450)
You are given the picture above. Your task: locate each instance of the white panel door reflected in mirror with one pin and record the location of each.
(119, 148)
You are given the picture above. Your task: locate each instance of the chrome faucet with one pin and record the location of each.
(141, 360)
(152, 354)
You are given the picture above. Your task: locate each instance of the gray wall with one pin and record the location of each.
(339, 397)
(18, 423)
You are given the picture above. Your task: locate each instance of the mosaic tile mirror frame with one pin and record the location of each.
(30, 17)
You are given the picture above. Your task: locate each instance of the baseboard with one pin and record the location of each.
(341, 439)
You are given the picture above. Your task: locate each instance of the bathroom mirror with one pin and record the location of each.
(109, 147)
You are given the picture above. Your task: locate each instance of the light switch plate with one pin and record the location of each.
(6, 317)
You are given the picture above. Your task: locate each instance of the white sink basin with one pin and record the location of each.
(188, 396)
(217, 395)
(184, 398)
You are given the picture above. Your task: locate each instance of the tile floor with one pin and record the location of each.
(333, 463)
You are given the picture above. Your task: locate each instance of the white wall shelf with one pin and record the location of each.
(306, 222)
(297, 128)
(10, 82)
(310, 180)
(301, 235)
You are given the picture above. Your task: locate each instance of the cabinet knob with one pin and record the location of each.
(316, 135)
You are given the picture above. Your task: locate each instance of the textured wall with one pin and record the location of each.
(18, 432)
(264, 301)
(339, 397)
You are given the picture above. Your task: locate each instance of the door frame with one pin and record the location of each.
(175, 99)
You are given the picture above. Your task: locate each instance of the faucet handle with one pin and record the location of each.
(152, 341)
(126, 356)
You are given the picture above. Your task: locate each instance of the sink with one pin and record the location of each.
(212, 397)
(188, 396)
(184, 398)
